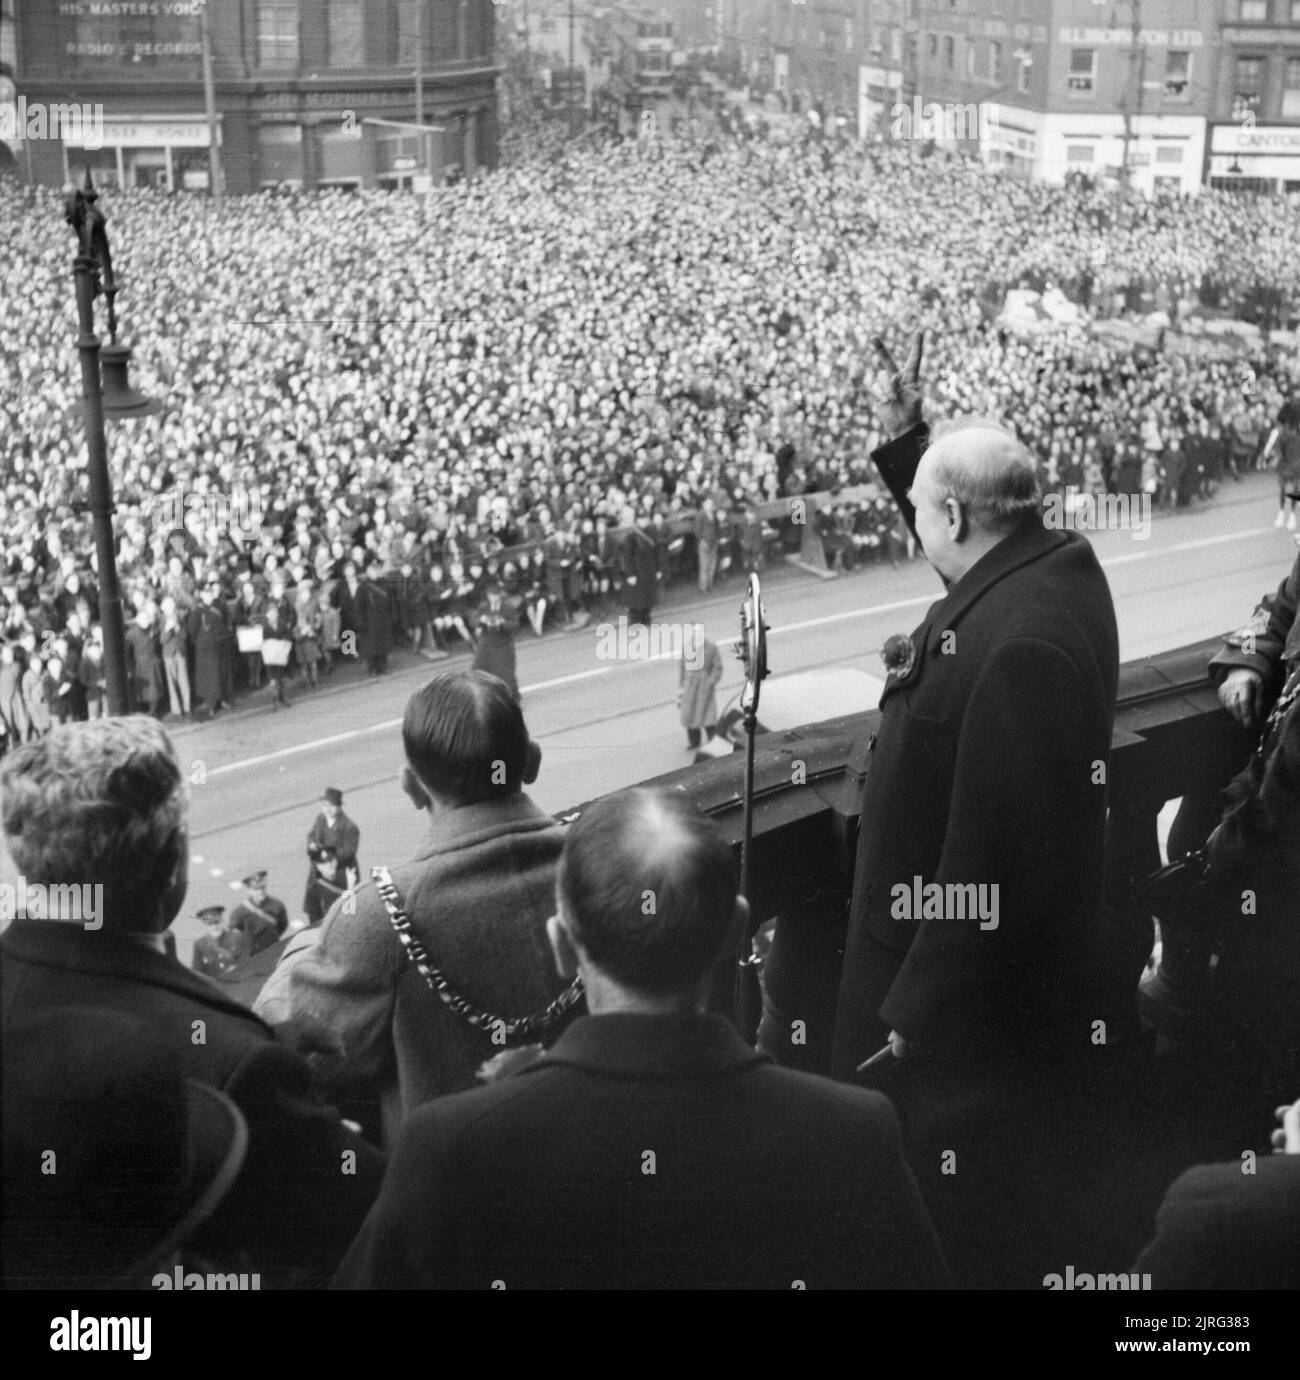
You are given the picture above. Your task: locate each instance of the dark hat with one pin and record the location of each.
(322, 852)
(141, 1155)
(211, 913)
(333, 795)
(255, 878)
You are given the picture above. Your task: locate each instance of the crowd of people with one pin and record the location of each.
(532, 1043)
(478, 391)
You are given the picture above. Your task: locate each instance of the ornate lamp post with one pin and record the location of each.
(112, 396)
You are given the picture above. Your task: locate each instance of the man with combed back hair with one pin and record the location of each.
(649, 1147)
(975, 936)
(94, 819)
(476, 895)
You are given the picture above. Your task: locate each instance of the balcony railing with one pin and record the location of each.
(1171, 740)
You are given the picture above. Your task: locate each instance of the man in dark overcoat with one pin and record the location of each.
(307, 1180)
(649, 1147)
(973, 946)
(373, 620)
(638, 559)
(209, 631)
(334, 830)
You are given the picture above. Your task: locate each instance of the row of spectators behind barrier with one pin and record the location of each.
(51, 660)
(640, 324)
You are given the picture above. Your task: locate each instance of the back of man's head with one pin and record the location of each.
(647, 886)
(465, 738)
(98, 809)
(987, 468)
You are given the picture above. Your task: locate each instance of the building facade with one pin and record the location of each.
(1254, 139)
(643, 51)
(815, 54)
(308, 93)
(1056, 86)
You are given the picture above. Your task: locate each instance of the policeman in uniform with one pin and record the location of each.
(220, 948)
(259, 917)
(324, 888)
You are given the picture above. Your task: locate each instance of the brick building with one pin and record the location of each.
(1254, 142)
(297, 86)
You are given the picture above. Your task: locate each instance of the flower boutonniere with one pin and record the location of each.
(899, 655)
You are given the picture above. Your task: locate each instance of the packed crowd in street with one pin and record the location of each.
(476, 394)
(549, 1052)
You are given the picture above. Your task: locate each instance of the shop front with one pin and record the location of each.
(169, 152)
(1265, 159)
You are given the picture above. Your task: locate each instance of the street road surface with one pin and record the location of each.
(256, 776)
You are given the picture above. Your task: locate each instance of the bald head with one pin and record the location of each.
(647, 887)
(974, 484)
(984, 467)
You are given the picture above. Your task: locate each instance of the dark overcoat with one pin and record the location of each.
(639, 562)
(145, 664)
(495, 652)
(213, 654)
(662, 1153)
(293, 1207)
(1221, 1229)
(988, 768)
(372, 614)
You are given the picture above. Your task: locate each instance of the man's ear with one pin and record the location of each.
(414, 788)
(532, 763)
(562, 947)
(958, 522)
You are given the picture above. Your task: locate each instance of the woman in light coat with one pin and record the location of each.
(700, 670)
